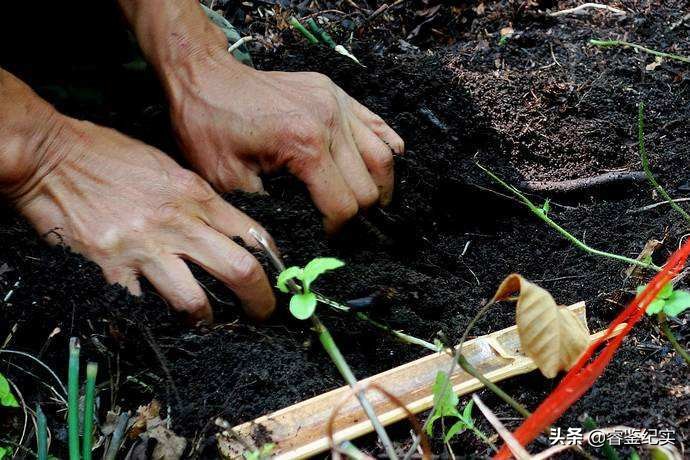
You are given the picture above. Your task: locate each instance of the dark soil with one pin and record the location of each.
(544, 105)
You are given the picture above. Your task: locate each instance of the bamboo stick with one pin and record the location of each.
(299, 431)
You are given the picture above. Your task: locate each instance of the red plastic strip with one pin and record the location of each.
(584, 373)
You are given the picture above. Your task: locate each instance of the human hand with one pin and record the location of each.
(234, 122)
(134, 211)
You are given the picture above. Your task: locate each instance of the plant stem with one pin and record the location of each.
(646, 168)
(540, 213)
(663, 324)
(470, 369)
(477, 432)
(339, 360)
(41, 434)
(294, 22)
(607, 43)
(73, 399)
(399, 335)
(89, 397)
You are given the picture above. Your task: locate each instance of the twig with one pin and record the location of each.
(587, 6)
(583, 183)
(654, 205)
(648, 171)
(50, 371)
(239, 43)
(514, 445)
(360, 388)
(607, 43)
(663, 324)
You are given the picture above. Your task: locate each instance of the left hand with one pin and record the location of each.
(234, 122)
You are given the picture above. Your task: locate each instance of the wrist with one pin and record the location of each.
(30, 130)
(175, 36)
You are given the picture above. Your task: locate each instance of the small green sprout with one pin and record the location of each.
(546, 207)
(669, 301)
(5, 452)
(7, 399)
(303, 304)
(260, 454)
(445, 405)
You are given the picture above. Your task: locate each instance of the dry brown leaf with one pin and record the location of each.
(549, 334)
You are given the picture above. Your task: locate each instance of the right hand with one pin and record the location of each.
(134, 211)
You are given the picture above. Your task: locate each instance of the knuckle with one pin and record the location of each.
(245, 269)
(192, 300)
(369, 197)
(347, 210)
(168, 213)
(383, 162)
(192, 185)
(304, 132)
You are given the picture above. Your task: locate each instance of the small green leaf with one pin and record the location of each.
(7, 399)
(455, 429)
(664, 293)
(286, 275)
(677, 303)
(445, 402)
(251, 455)
(302, 306)
(634, 455)
(655, 306)
(467, 414)
(546, 207)
(317, 267)
(439, 345)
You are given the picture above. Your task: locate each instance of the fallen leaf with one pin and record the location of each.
(549, 334)
(169, 446)
(507, 31)
(645, 256)
(145, 414)
(653, 65)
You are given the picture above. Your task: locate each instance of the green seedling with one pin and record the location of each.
(539, 212)
(262, 453)
(661, 54)
(5, 452)
(446, 406)
(670, 301)
(7, 399)
(303, 304)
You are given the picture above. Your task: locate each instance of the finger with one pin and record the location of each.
(174, 281)
(353, 169)
(234, 266)
(124, 276)
(378, 126)
(377, 157)
(232, 174)
(232, 222)
(327, 187)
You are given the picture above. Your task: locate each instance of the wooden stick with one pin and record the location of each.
(299, 431)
